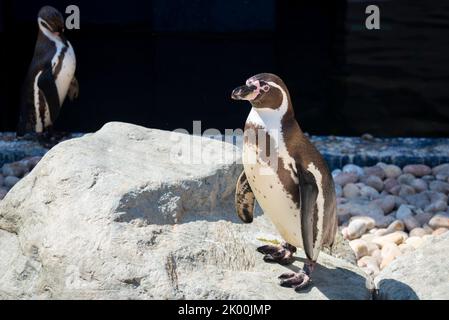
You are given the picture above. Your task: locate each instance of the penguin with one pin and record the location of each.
(286, 175)
(50, 77)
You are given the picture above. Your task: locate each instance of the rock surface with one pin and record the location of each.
(109, 216)
(421, 274)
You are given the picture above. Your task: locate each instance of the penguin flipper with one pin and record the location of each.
(74, 89)
(308, 195)
(47, 85)
(244, 199)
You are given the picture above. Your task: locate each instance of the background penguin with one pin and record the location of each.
(286, 174)
(50, 76)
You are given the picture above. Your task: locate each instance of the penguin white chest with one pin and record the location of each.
(64, 65)
(272, 196)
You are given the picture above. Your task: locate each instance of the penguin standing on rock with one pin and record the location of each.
(50, 76)
(288, 177)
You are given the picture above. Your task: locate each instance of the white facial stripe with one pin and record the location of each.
(47, 32)
(320, 207)
(271, 121)
(42, 21)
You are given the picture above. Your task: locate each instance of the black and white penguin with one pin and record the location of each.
(50, 76)
(287, 176)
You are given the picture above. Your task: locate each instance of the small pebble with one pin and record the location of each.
(389, 252)
(338, 191)
(416, 242)
(396, 237)
(32, 162)
(396, 225)
(351, 191)
(386, 203)
(403, 212)
(440, 220)
(10, 181)
(390, 183)
(435, 196)
(428, 178)
(423, 217)
(420, 200)
(406, 248)
(380, 232)
(439, 231)
(359, 247)
(395, 190)
(375, 171)
(406, 190)
(15, 169)
(427, 228)
(371, 247)
(377, 255)
(344, 178)
(374, 182)
(442, 177)
(352, 168)
(392, 171)
(437, 206)
(411, 223)
(442, 168)
(439, 186)
(365, 260)
(356, 228)
(368, 237)
(336, 172)
(369, 265)
(369, 192)
(427, 237)
(3, 193)
(406, 178)
(419, 185)
(399, 201)
(418, 170)
(368, 221)
(418, 232)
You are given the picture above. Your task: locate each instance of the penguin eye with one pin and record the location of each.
(46, 25)
(266, 88)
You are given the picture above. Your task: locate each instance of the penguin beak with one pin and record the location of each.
(245, 93)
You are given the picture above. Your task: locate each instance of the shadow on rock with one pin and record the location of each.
(329, 281)
(390, 289)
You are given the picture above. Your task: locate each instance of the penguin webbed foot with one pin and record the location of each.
(282, 254)
(297, 280)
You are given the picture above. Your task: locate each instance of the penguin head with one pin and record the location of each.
(51, 19)
(264, 90)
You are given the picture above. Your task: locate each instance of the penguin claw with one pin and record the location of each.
(282, 257)
(296, 281)
(268, 249)
(286, 275)
(282, 254)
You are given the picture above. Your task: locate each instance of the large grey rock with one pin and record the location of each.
(109, 215)
(421, 274)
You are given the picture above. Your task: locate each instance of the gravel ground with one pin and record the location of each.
(385, 211)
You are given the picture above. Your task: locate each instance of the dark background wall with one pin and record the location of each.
(164, 64)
